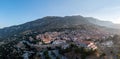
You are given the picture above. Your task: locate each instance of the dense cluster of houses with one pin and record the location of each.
(62, 39)
(78, 36)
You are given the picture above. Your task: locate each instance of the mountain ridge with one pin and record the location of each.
(48, 23)
(108, 24)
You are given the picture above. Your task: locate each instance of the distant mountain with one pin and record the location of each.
(50, 23)
(103, 23)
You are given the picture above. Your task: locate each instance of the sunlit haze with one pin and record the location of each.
(14, 12)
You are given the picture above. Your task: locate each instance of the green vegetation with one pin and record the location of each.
(78, 50)
(57, 57)
(53, 53)
(6, 51)
(46, 55)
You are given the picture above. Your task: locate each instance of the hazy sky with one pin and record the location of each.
(13, 12)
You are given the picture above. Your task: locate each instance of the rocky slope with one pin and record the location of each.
(53, 23)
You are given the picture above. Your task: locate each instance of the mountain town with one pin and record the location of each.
(65, 42)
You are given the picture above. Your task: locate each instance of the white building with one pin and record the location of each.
(59, 42)
(87, 44)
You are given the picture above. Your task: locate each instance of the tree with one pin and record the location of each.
(57, 57)
(83, 56)
(45, 53)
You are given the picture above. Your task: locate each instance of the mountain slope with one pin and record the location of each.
(49, 23)
(43, 24)
(103, 23)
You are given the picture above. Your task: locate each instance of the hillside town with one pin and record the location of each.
(50, 45)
